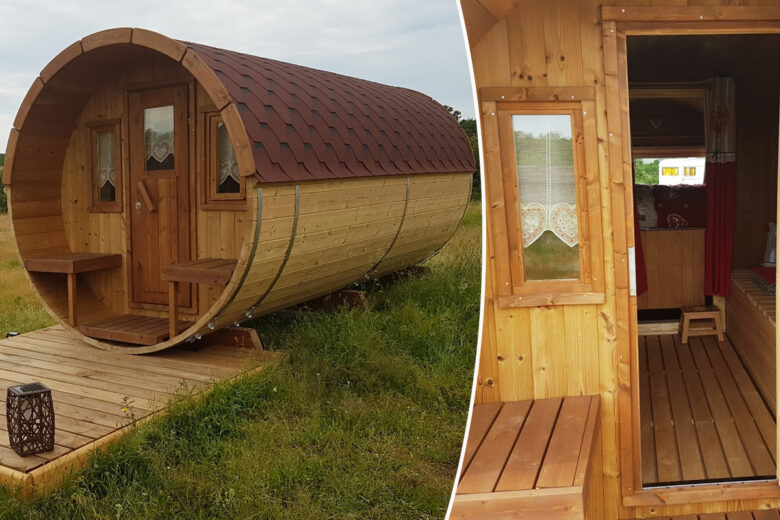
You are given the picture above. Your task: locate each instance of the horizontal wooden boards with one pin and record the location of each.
(131, 328)
(97, 392)
(702, 417)
(528, 445)
(750, 322)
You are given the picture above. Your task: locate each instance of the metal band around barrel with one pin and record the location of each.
(255, 241)
(397, 234)
(286, 254)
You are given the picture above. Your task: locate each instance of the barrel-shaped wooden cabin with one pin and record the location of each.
(160, 190)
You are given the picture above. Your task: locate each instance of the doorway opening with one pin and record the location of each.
(707, 407)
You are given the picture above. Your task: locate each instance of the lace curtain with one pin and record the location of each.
(545, 177)
(105, 159)
(228, 166)
(158, 128)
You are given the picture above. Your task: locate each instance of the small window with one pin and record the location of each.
(106, 166)
(669, 171)
(544, 156)
(158, 132)
(224, 180)
(549, 180)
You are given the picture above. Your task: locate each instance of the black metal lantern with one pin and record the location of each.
(29, 412)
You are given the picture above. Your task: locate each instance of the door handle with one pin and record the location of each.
(145, 195)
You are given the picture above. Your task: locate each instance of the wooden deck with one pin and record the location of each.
(702, 417)
(97, 393)
(764, 514)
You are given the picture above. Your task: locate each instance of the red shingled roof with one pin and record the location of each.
(309, 124)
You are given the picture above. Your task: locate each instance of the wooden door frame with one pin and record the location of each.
(618, 23)
(191, 173)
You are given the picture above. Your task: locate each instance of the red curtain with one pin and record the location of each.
(720, 180)
(719, 241)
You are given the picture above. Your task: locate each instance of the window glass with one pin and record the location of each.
(229, 180)
(158, 131)
(104, 145)
(544, 156)
(669, 171)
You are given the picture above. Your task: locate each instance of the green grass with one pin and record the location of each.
(550, 259)
(20, 309)
(364, 418)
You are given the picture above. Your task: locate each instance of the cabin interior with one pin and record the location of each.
(707, 407)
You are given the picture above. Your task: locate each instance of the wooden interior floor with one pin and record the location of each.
(764, 514)
(702, 418)
(90, 387)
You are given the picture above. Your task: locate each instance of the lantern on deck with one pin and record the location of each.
(29, 412)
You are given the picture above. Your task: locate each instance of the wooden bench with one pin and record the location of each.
(535, 459)
(72, 264)
(209, 271)
(701, 313)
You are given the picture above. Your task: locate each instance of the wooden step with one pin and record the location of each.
(129, 328)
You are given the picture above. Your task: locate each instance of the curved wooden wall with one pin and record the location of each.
(344, 231)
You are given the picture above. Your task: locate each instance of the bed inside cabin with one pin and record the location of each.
(707, 407)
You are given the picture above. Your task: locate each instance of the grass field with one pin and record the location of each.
(363, 420)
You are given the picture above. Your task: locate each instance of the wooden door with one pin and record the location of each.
(159, 187)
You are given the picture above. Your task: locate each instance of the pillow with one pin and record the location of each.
(645, 206)
(681, 206)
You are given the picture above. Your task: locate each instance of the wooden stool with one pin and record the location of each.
(708, 312)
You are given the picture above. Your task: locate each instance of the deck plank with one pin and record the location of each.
(649, 470)
(714, 459)
(525, 461)
(485, 468)
(482, 417)
(560, 463)
(736, 455)
(691, 462)
(667, 452)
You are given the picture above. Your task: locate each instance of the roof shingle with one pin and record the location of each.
(310, 124)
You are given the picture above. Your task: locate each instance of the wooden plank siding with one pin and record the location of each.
(675, 268)
(553, 351)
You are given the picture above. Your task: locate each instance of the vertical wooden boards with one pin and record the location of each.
(521, 50)
(675, 268)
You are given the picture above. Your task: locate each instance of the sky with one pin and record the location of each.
(410, 43)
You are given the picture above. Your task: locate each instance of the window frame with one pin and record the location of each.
(212, 198)
(93, 129)
(516, 291)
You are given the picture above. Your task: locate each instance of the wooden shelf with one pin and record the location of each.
(73, 263)
(530, 456)
(210, 271)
